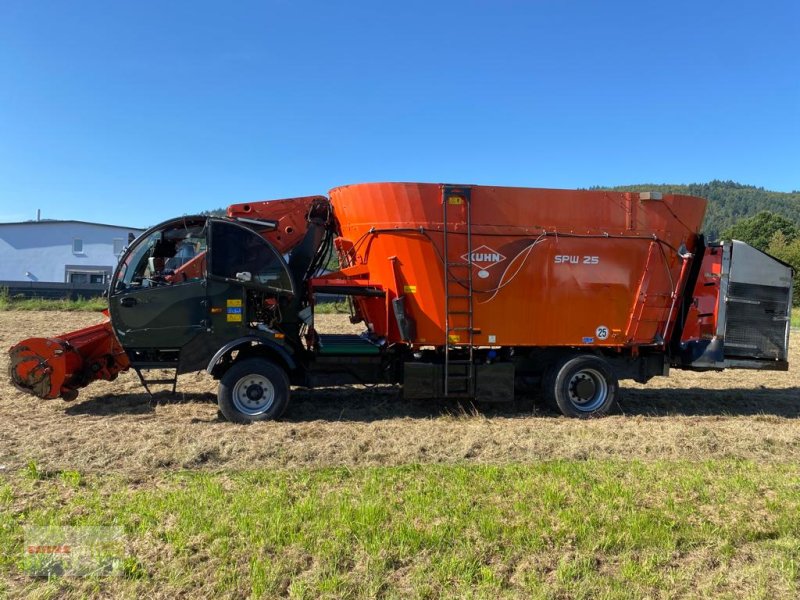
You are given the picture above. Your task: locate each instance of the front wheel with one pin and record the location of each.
(582, 386)
(254, 389)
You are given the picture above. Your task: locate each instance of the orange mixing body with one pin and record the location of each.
(547, 267)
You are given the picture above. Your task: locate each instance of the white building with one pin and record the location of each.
(61, 251)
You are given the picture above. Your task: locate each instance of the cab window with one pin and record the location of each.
(170, 255)
(241, 254)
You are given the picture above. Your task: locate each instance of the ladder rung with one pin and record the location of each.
(458, 296)
(461, 385)
(459, 376)
(159, 380)
(459, 312)
(459, 263)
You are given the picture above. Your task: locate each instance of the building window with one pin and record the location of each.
(119, 246)
(87, 278)
(77, 246)
(81, 274)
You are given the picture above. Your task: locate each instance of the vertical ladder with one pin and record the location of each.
(459, 371)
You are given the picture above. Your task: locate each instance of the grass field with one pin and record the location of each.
(692, 490)
(8, 302)
(611, 529)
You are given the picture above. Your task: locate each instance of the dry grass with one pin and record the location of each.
(113, 427)
(691, 492)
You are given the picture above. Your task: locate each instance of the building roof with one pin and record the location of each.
(59, 221)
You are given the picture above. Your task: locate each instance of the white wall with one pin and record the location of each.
(44, 248)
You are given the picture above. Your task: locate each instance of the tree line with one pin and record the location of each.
(767, 220)
(728, 202)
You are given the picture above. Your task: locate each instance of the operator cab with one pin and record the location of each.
(186, 287)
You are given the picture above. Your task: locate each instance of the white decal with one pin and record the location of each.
(601, 332)
(564, 259)
(484, 258)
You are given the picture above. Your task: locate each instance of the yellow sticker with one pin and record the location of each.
(234, 302)
(234, 317)
(410, 289)
(455, 200)
(454, 338)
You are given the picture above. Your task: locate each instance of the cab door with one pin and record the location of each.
(157, 298)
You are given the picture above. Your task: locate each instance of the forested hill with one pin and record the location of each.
(728, 201)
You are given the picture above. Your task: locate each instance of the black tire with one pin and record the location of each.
(253, 389)
(582, 386)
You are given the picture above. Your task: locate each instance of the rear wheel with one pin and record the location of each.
(254, 389)
(582, 386)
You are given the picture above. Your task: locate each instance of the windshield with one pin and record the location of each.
(172, 254)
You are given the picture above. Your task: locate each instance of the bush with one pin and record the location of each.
(788, 252)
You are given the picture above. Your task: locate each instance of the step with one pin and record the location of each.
(346, 345)
(459, 393)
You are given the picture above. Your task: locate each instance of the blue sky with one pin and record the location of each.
(132, 112)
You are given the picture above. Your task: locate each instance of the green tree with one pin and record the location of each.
(760, 230)
(788, 252)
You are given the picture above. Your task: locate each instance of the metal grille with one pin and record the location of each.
(757, 318)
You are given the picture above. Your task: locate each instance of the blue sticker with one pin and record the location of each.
(588, 340)
(234, 310)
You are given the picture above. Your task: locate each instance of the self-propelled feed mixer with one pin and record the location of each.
(464, 291)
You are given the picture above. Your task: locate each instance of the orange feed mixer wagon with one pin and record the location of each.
(465, 291)
(495, 266)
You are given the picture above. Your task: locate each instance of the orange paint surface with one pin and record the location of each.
(549, 267)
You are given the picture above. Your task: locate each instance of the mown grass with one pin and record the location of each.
(8, 302)
(796, 317)
(577, 529)
(331, 308)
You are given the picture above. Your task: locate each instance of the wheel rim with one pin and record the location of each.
(588, 390)
(253, 394)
